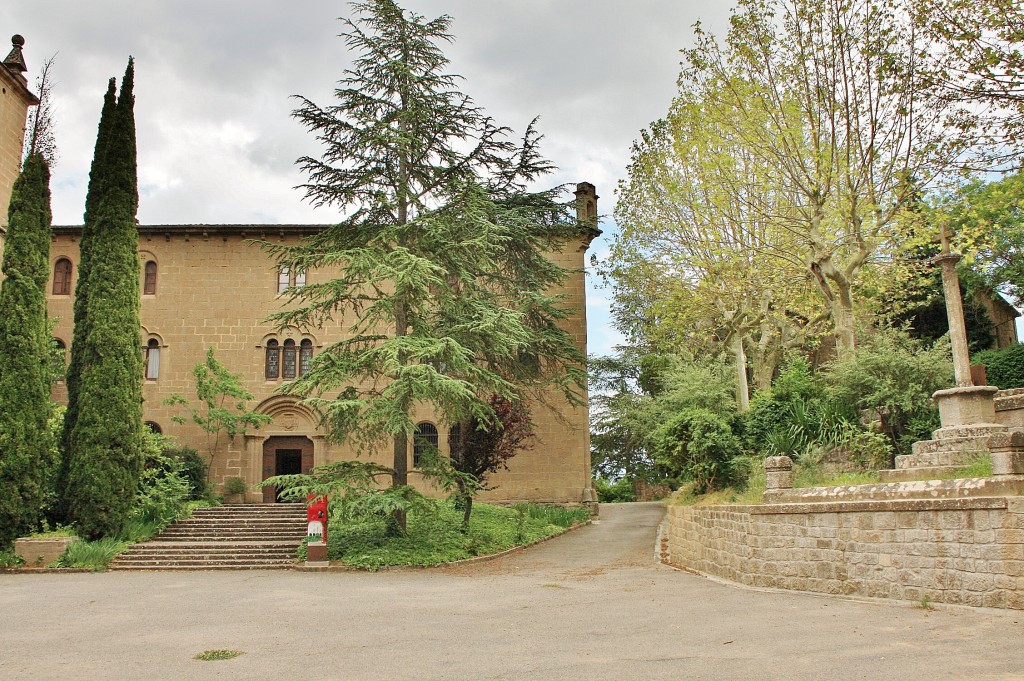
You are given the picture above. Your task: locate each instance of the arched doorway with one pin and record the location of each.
(285, 455)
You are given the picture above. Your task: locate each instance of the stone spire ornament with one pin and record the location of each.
(15, 60)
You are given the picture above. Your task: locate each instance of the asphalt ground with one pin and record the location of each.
(592, 604)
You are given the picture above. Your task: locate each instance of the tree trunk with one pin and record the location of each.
(742, 389)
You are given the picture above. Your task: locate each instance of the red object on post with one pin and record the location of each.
(316, 518)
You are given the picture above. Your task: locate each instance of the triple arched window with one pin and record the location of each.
(287, 359)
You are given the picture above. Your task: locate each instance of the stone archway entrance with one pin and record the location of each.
(285, 455)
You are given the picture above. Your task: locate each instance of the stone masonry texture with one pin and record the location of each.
(958, 551)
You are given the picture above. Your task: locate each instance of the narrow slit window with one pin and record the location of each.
(152, 359)
(305, 356)
(289, 359)
(149, 279)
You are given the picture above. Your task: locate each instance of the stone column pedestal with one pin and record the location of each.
(779, 471)
(971, 407)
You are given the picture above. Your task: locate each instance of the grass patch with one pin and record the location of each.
(814, 476)
(55, 533)
(979, 466)
(10, 560)
(92, 555)
(212, 655)
(435, 538)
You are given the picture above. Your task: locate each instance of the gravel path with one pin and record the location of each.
(590, 605)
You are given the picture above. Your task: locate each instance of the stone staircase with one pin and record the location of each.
(230, 537)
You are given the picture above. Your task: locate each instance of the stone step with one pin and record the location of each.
(202, 568)
(950, 444)
(920, 473)
(978, 430)
(239, 537)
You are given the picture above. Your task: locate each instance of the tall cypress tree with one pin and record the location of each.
(106, 435)
(87, 244)
(24, 382)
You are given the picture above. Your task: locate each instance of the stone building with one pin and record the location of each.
(208, 286)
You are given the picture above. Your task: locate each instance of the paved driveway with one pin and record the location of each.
(591, 605)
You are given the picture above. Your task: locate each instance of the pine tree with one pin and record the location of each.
(444, 276)
(24, 376)
(104, 447)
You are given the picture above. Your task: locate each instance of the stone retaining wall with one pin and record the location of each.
(964, 551)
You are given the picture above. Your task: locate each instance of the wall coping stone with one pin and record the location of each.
(963, 504)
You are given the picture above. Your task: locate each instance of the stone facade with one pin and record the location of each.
(961, 551)
(214, 288)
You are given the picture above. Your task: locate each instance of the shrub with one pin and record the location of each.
(894, 377)
(234, 486)
(609, 492)
(1004, 367)
(698, 445)
(192, 467)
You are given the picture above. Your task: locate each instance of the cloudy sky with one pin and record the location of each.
(214, 80)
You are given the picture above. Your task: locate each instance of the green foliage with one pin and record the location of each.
(354, 490)
(698, 445)
(1003, 367)
(192, 468)
(223, 397)
(9, 560)
(220, 654)
(104, 417)
(893, 377)
(235, 486)
(609, 492)
(25, 464)
(443, 276)
(437, 537)
(94, 555)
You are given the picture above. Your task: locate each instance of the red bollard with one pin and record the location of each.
(316, 518)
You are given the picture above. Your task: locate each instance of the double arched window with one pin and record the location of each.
(62, 277)
(286, 360)
(286, 278)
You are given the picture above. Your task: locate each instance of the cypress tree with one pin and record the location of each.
(106, 435)
(24, 383)
(86, 247)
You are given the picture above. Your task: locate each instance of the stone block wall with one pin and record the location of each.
(961, 551)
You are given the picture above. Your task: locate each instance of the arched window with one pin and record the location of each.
(154, 427)
(149, 279)
(59, 360)
(300, 278)
(305, 355)
(288, 361)
(283, 277)
(273, 366)
(62, 277)
(424, 439)
(152, 359)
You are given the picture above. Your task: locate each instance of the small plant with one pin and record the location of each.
(10, 560)
(212, 655)
(234, 487)
(93, 555)
(926, 603)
